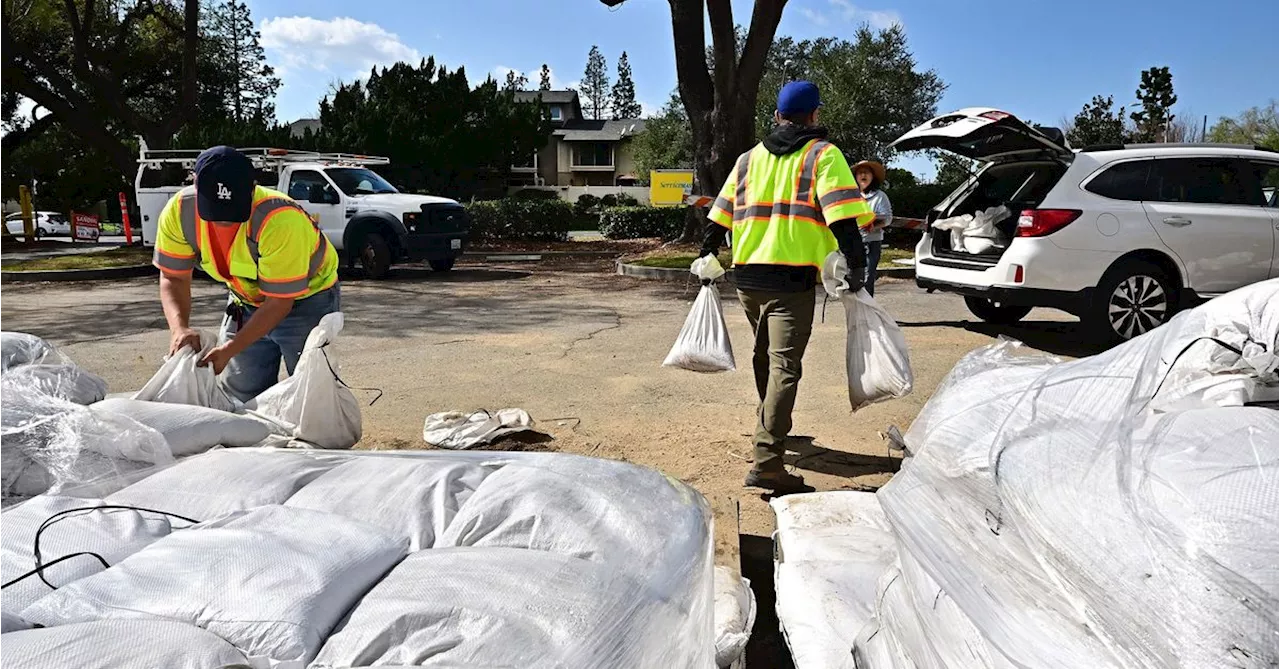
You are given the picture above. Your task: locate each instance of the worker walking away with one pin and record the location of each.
(789, 202)
(281, 271)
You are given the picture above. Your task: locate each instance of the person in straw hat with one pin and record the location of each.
(870, 176)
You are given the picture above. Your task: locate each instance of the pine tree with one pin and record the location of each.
(515, 81)
(1155, 94)
(623, 97)
(232, 45)
(544, 83)
(594, 88)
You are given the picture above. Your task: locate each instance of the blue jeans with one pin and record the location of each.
(258, 367)
(873, 259)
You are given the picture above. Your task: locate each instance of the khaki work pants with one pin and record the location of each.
(782, 323)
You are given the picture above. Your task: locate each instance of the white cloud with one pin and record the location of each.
(879, 19)
(342, 46)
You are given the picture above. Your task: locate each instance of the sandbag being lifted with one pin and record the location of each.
(180, 380)
(703, 343)
(875, 349)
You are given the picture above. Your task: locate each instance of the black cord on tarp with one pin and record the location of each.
(61, 515)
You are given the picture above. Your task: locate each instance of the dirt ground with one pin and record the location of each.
(578, 347)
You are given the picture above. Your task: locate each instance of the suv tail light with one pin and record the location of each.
(1040, 222)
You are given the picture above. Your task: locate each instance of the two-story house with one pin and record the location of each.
(581, 151)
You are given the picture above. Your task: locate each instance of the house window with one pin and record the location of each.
(593, 154)
(555, 113)
(530, 163)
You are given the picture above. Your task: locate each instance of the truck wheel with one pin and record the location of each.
(443, 265)
(1131, 299)
(994, 312)
(375, 256)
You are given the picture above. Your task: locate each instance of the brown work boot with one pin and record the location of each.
(780, 482)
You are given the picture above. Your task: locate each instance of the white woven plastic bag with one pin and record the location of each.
(703, 343)
(876, 350)
(180, 380)
(313, 404)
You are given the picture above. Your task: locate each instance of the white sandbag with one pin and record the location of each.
(63, 380)
(121, 644)
(735, 615)
(876, 358)
(180, 380)
(12, 623)
(220, 482)
(314, 405)
(459, 431)
(20, 348)
(190, 429)
(112, 533)
(273, 581)
(503, 607)
(412, 499)
(703, 343)
(976, 232)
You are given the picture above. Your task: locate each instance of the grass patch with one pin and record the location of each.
(684, 260)
(123, 256)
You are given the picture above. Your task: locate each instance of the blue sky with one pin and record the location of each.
(1038, 60)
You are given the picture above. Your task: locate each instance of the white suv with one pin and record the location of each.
(1121, 236)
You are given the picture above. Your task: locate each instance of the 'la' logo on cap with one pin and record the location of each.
(224, 193)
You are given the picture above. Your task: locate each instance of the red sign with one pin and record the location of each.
(84, 227)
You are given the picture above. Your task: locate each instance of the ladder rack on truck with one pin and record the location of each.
(262, 157)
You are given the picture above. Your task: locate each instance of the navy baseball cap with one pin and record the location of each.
(798, 97)
(224, 185)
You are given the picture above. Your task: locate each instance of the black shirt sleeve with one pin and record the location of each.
(849, 238)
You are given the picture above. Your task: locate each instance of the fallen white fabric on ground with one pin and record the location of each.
(1056, 514)
(120, 644)
(459, 431)
(112, 533)
(180, 380)
(876, 358)
(313, 405)
(62, 380)
(703, 343)
(223, 481)
(272, 581)
(190, 429)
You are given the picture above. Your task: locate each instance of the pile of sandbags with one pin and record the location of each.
(1115, 511)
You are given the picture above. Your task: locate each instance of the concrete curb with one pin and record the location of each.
(547, 254)
(677, 274)
(103, 274)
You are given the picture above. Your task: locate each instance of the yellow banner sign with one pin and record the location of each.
(667, 188)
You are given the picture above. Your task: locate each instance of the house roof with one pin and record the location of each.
(548, 97)
(300, 126)
(583, 130)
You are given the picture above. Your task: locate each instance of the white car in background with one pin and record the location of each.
(48, 224)
(1121, 236)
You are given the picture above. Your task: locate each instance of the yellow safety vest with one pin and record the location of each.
(778, 206)
(279, 252)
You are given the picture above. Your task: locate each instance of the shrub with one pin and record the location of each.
(609, 200)
(515, 219)
(638, 222)
(536, 194)
(625, 200)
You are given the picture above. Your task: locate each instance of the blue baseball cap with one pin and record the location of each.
(798, 97)
(224, 185)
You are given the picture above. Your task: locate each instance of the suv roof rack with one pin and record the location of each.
(1176, 145)
(261, 156)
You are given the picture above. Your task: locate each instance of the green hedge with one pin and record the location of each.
(638, 222)
(521, 220)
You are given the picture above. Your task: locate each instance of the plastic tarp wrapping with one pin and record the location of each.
(64, 381)
(273, 581)
(514, 560)
(703, 343)
(20, 348)
(180, 380)
(313, 405)
(121, 644)
(876, 358)
(1114, 511)
(49, 444)
(111, 533)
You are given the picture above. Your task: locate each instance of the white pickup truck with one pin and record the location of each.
(364, 217)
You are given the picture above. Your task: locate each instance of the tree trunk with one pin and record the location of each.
(721, 110)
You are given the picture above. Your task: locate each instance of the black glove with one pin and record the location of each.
(856, 278)
(708, 251)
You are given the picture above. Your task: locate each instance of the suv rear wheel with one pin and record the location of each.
(1132, 298)
(375, 256)
(994, 312)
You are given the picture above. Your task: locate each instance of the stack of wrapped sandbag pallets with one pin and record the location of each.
(1116, 511)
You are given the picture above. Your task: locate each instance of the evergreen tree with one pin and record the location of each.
(1097, 123)
(594, 88)
(234, 62)
(623, 97)
(1155, 94)
(544, 82)
(515, 81)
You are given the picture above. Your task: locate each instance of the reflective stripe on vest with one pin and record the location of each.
(787, 232)
(262, 211)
